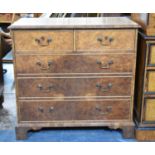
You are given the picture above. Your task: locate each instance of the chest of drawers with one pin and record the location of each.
(145, 82)
(74, 72)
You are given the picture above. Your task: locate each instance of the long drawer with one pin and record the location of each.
(105, 63)
(74, 110)
(100, 40)
(74, 86)
(43, 40)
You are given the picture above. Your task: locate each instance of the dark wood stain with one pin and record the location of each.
(143, 133)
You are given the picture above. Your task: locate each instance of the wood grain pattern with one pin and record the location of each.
(75, 86)
(25, 41)
(87, 40)
(74, 110)
(56, 64)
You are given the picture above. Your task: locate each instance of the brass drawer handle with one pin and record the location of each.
(105, 41)
(104, 111)
(44, 67)
(104, 66)
(42, 41)
(104, 88)
(45, 90)
(40, 109)
(51, 109)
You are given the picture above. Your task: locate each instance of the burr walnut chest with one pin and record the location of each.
(74, 72)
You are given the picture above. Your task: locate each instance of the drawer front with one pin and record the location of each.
(151, 56)
(152, 15)
(100, 40)
(151, 21)
(107, 63)
(6, 17)
(149, 110)
(43, 41)
(150, 31)
(74, 110)
(74, 86)
(150, 81)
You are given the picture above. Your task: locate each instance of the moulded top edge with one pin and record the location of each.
(73, 23)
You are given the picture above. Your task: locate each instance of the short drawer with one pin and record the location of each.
(152, 15)
(6, 17)
(149, 109)
(74, 110)
(100, 40)
(106, 63)
(151, 21)
(151, 54)
(34, 41)
(74, 86)
(150, 81)
(150, 31)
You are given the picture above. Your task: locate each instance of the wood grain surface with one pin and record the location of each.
(74, 86)
(74, 110)
(56, 64)
(89, 22)
(100, 40)
(43, 41)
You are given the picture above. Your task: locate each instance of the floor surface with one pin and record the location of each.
(8, 121)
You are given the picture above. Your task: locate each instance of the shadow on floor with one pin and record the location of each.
(68, 135)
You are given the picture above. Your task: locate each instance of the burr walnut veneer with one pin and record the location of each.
(74, 72)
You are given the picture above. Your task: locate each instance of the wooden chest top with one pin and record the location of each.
(74, 23)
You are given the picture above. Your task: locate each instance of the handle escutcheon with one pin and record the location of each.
(104, 88)
(42, 41)
(40, 109)
(43, 66)
(103, 111)
(104, 65)
(105, 40)
(45, 90)
(51, 109)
